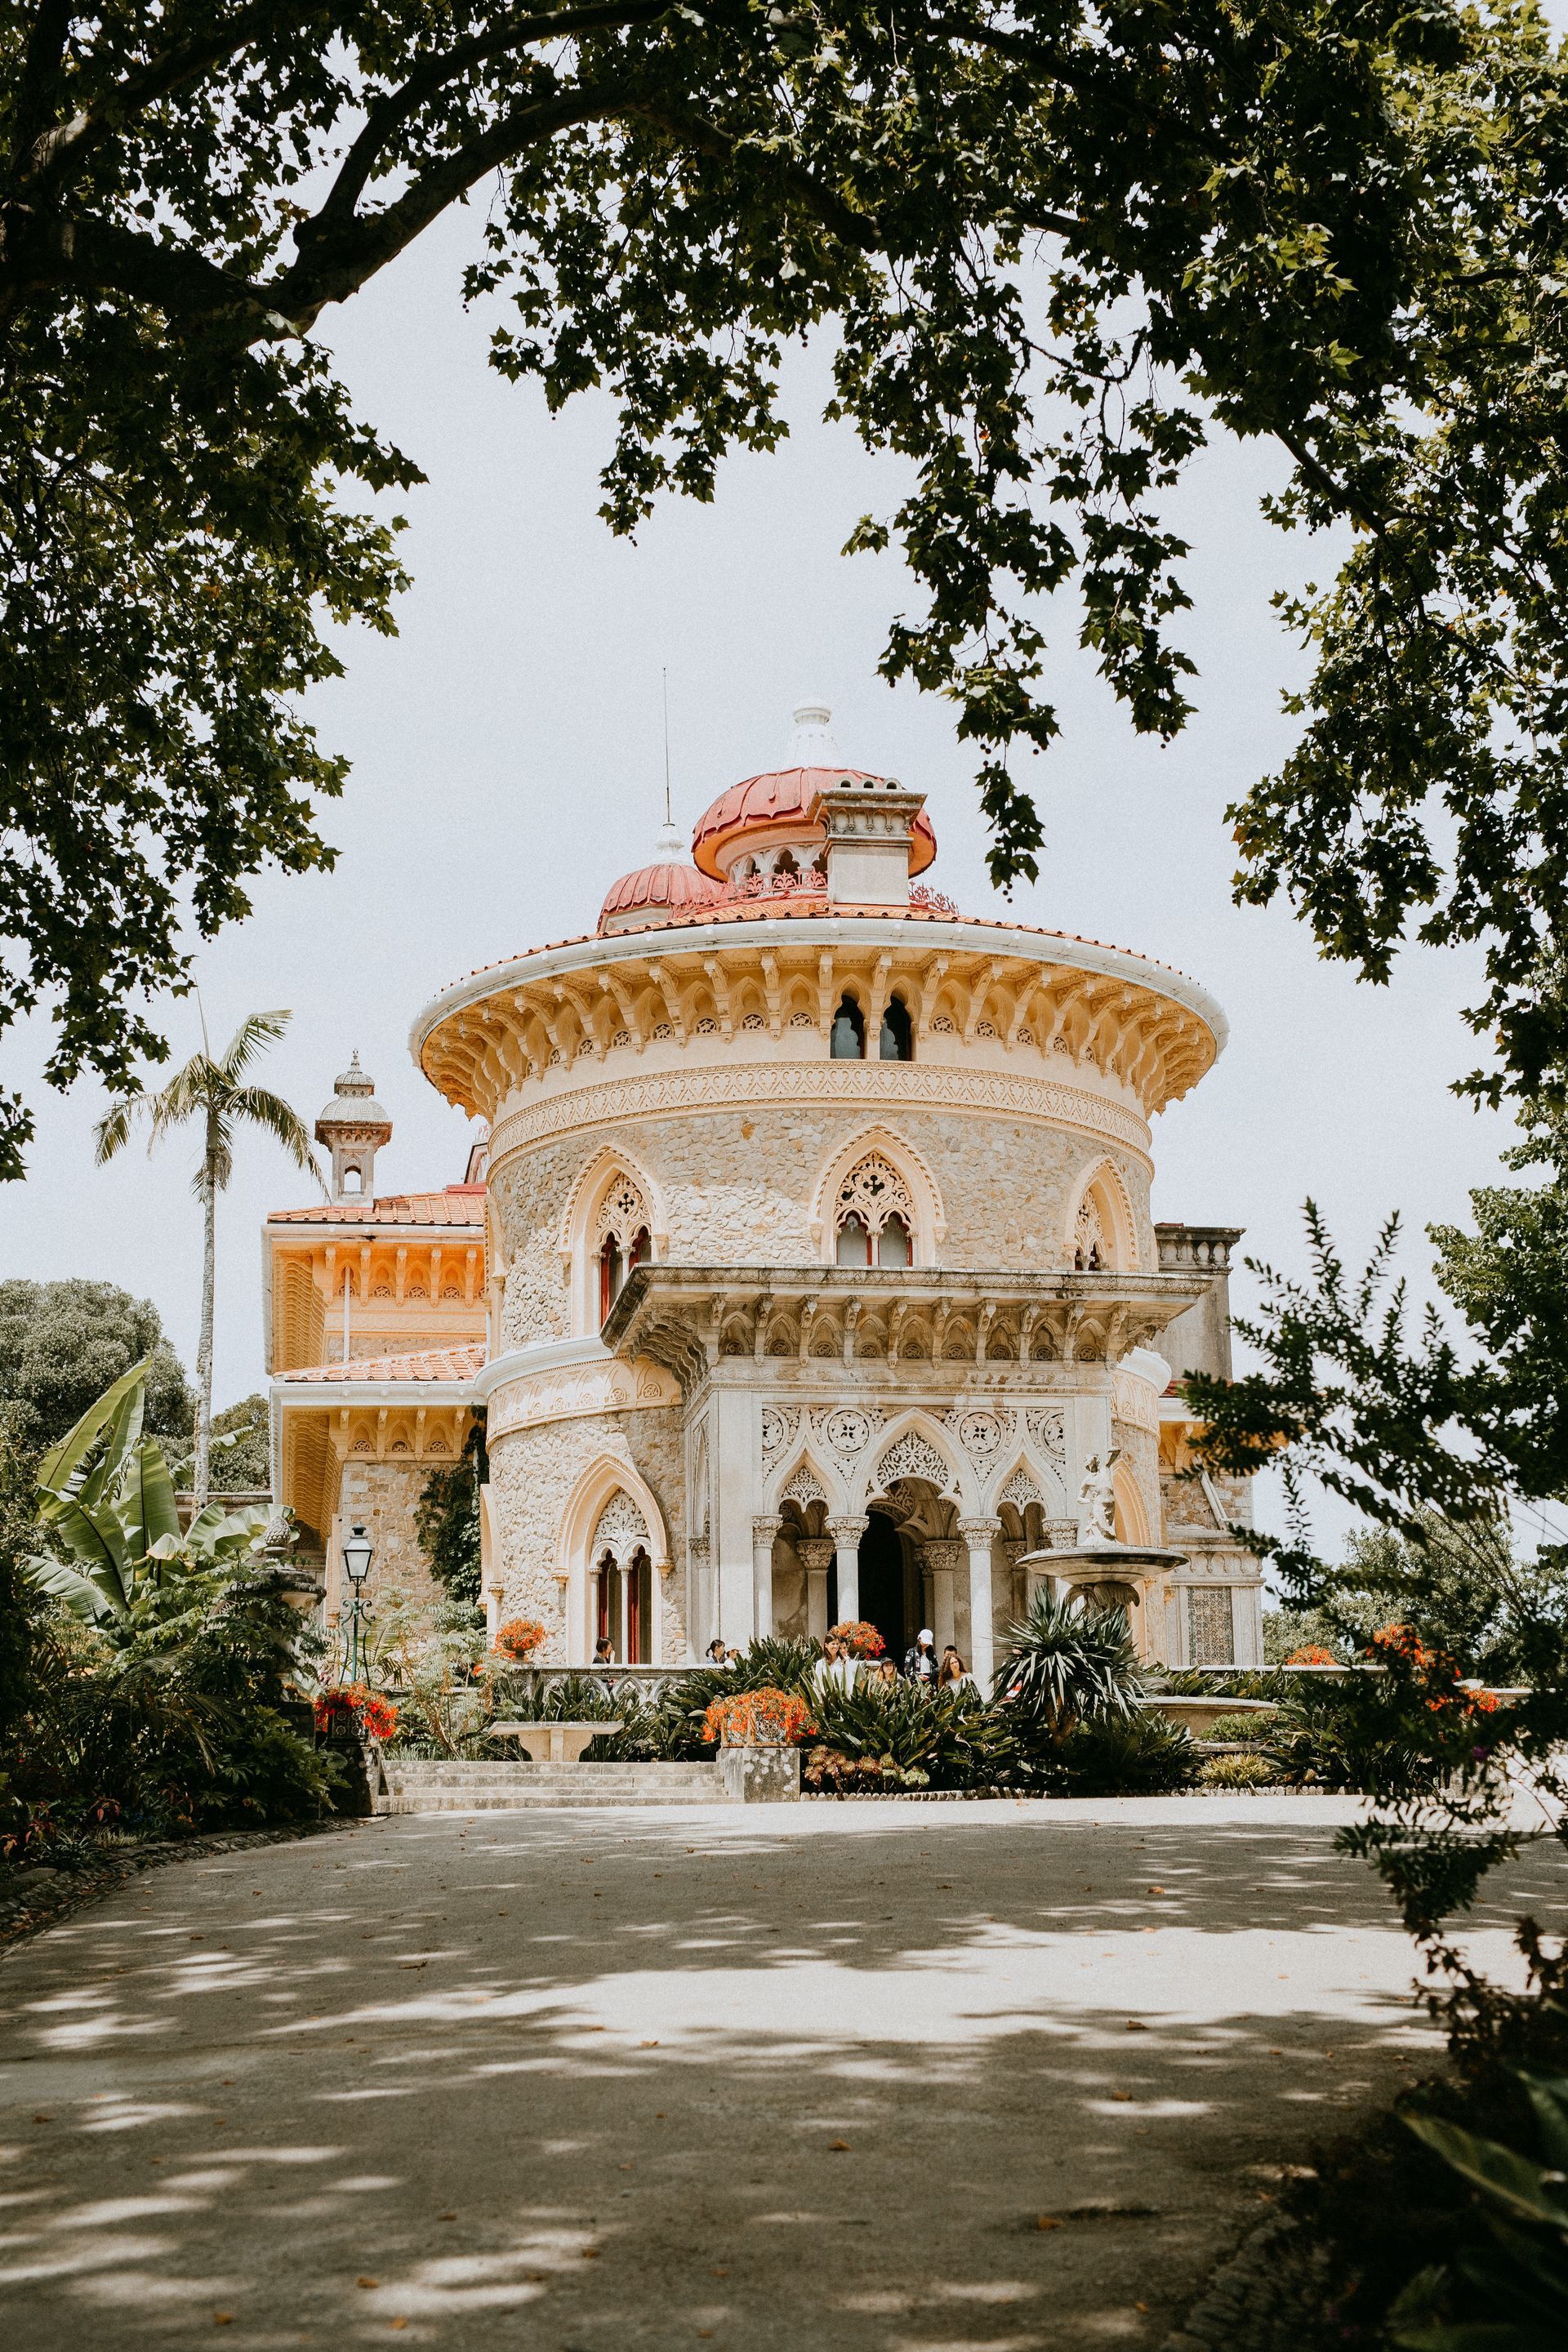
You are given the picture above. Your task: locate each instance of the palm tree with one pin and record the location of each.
(215, 1093)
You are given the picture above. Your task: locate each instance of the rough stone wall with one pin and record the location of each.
(383, 1496)
(533, 1474)
(738, 1187)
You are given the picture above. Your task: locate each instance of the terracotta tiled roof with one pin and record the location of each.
(807, 907)
(458, 1204)
(431, 1364)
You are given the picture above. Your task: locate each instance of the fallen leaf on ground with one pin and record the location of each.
(367, 2282)
(1121, 2097)
(1048, 2222)
(839, 2147)
(1136, 2025)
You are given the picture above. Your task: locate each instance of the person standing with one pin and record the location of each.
(836, 1669)
(603, 1650)
(920, 1660)
(952, 1672)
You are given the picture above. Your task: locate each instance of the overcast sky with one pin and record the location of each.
(508, 764)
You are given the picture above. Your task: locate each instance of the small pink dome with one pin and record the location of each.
(663, 889)
(780, 802)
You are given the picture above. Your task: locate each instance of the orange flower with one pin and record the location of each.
(759, 1718)
(519, 1638)
(858, 1635)
(367, 1707)
(1314, 1655)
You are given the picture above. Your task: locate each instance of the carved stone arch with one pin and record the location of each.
(1101, 1215)
(884, 1143)
(1021, 1469)
(913, 1446)
(577, 1239)
(807, 1479)
(595, 1490)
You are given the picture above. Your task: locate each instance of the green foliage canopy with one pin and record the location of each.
(1056, 243)
(63, 1343)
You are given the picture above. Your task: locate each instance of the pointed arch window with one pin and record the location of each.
(874, 1216)
(897, 1042)
(622, 1240)
(849, 1041)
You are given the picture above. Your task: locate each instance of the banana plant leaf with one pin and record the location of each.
(144, 1504)
(1516, 2183)
(63, 1461)
(94, 1542)
(83, 1595)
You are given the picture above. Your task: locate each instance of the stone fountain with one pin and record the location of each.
(1098, 1569)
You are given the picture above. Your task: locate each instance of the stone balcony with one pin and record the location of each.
(688, 1318)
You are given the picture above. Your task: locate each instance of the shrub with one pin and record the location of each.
(951, 1736)
(1314, 1655)
(1069, 1665)
(1237, 1772)
(1357, 1734)
(837, 1774)
(1126, 1756)
(1252, 1728)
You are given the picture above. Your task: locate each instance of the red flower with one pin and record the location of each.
(360, 1704)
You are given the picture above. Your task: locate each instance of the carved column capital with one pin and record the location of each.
(978, 1532)
(814, 1553)
(942, 1553)
(847, 1530)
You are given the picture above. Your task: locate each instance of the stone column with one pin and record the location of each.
(978, 1534)
(943, 1557)
(701, 1615)
(1012, 1551)
(815, 1555)
(846, 1535)
(763, 1530)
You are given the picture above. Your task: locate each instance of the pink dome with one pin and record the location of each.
(653, 890)
(780, 802)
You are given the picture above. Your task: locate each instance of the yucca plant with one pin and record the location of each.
(1069, 1665)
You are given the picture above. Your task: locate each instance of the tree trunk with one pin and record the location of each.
(204, 1346)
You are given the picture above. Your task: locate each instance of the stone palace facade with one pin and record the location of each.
(807, 1263)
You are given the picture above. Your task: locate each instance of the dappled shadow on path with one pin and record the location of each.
(594, 2081)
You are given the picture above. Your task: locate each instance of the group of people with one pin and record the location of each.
(839, 1664)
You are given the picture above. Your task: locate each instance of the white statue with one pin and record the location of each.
(1097, 1498)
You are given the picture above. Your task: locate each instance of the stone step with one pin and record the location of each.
(428, 1785)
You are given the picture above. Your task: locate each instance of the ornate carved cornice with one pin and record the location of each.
(567, 1392)
(887, 1087)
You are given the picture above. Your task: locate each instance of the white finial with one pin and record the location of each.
(812, 744)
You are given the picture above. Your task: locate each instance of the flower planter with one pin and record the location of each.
(761, 1776)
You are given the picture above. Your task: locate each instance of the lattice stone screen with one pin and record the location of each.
(1211, 1637)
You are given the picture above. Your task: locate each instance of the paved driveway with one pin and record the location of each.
(852, 2075)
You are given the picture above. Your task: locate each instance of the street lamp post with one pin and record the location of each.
(358, 1553)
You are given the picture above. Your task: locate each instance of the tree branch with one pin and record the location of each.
(336, 261)
(389, 113)
(40, 75)
(859, 229)
(55, 149)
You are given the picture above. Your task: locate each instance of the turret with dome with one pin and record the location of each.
(819, 1257)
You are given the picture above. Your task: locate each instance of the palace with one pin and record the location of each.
(806, 1266)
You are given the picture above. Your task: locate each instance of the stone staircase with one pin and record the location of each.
(418, 1785)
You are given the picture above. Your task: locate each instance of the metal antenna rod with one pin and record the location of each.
(664, 675)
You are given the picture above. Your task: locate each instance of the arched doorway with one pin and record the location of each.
(882, 1583)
